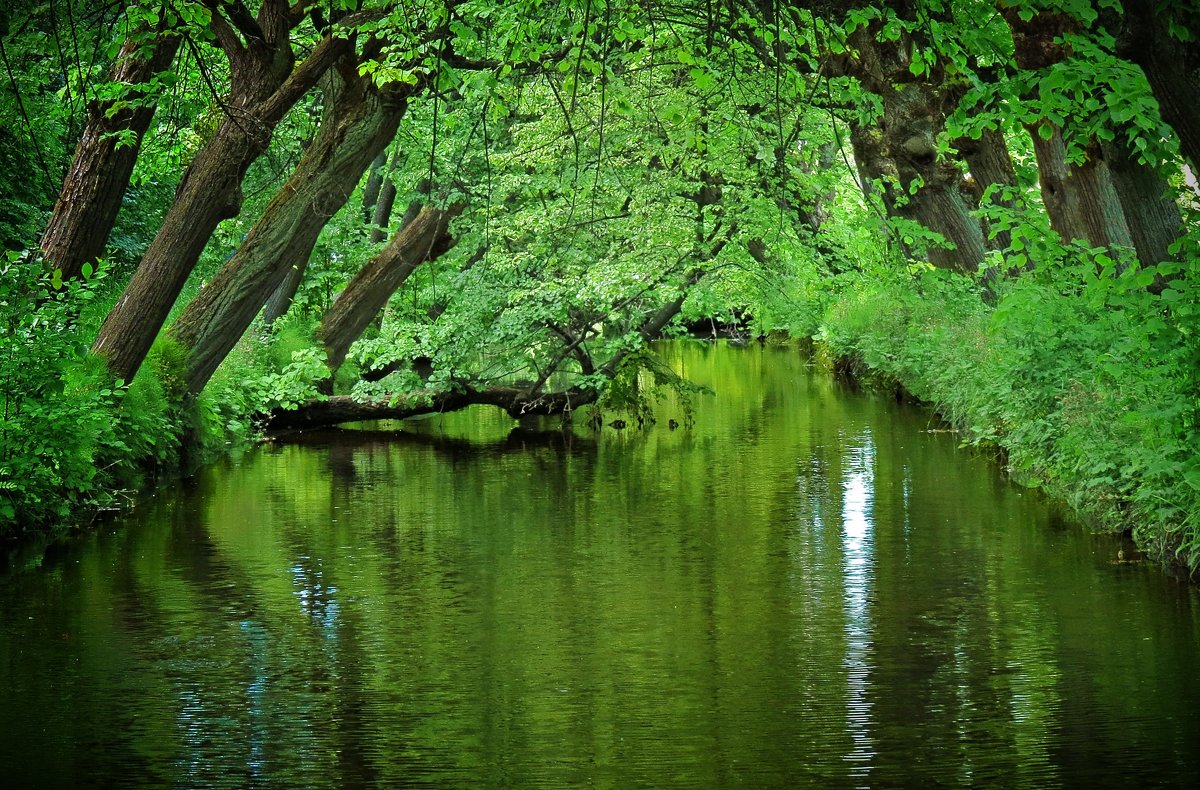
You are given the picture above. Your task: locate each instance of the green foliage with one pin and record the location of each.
(294, 384)
(70, 440)
(152, 411)
(56, 407)
(267, 370)
(611, 163)
(641, 383)
(1085, 378)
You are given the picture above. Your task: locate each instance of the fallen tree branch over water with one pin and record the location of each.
(526, 401)
(517, 402)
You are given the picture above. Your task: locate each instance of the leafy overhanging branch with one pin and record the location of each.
(517, 401)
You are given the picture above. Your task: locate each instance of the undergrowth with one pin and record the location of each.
(1084, 375)
(72, 441)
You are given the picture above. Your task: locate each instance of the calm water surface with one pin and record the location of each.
(810, 587)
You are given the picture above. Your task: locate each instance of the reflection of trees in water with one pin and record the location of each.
(836, 588)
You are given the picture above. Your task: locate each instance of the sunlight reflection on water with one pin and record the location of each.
(858, 564)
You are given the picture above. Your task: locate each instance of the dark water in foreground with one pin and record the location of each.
(808, 588)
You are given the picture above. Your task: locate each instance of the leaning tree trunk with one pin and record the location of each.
(914, 114)
(281, 299)
(1172, 66)
(422, 239)
(264, 88)
(1148, 204)
(359, 123)
(99, 174)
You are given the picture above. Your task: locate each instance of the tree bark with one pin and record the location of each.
(1080, 199)
(105, 156)
(872, 162)
(264, 86)
(517, 402)
(1147, 202)
(359, 123)
(990, 165)
(373, 185)
(1172, 66)
(422, 239)
(281, 300)
(385, 203)
(904, 148)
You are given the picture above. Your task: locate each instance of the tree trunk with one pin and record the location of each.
(264, 88)
(358, 124)
(871, 162)
(1147, 202)
(1171, 66)
(422, 239)
(99, 174)
(914, 114)
(1080, 199)
(941, 207)
(385, 203)
(990, 165)
(281, 300)
(517, 402)
(373, 185)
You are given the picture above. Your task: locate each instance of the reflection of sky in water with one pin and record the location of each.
(857, 569)
(256, 697)
(317, 598)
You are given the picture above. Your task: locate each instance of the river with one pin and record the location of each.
(806, 586)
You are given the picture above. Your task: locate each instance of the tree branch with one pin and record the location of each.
(305, 76)
(225, 34)
(343, 408)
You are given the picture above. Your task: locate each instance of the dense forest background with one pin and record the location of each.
(220, 217)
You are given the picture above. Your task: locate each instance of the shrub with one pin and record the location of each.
(55, 405)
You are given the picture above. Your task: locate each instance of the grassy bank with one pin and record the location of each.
(1085, 384)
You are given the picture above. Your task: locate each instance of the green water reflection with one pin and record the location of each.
(808, 587)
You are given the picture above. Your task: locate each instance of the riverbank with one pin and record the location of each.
(1081, 397)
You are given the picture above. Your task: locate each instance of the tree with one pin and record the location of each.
(107, 151)
(265, 81)
(424, 237)
(900, 148)
(1080, 197)
(1161, 38)
(360, 121)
